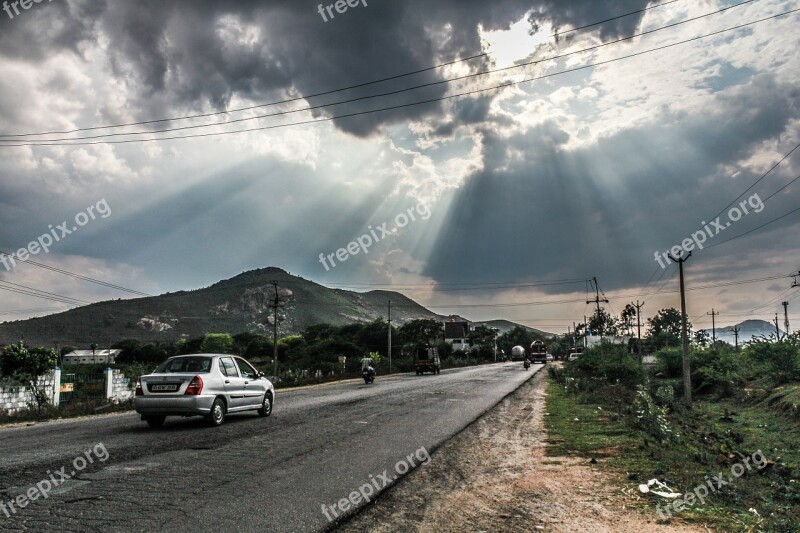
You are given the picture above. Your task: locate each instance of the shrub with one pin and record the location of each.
(611, 363)
(669, 362)
(782, 357)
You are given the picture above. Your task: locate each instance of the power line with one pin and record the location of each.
(754, 229)
(773, 167)
(328, 92)
(30, 291)
(412, 104)
(74, 275)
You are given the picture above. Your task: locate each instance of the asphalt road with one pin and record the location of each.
(252, 474)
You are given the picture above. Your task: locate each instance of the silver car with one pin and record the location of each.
(210, 385)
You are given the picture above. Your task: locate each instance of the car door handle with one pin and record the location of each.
(227, 382)
(246, 382)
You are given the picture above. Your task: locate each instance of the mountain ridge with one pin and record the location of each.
(242, 303)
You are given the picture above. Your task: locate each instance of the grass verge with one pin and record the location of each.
(707, 440)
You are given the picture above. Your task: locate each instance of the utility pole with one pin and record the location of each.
(597, 301)
(777, 331)
(390, 336)
(786, 317)
(687, 374)
(713, 327)
(276, 302)
(597, 298)
(639, 326)
(736, 336)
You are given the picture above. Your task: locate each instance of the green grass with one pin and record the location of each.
(583, 429)
(711, 437)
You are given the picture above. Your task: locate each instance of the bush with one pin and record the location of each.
(714, 370)
(669, 362)
(782, 357)
(611, 363)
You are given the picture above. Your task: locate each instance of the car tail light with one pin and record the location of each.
(195, 386)
(139, 391)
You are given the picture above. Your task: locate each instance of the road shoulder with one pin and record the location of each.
(495, 476)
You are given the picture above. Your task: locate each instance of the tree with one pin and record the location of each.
(701, 337)
(665, 328)
(627, 316)
(27, 366)
(602, 323)
(481, 337)
(421, 331)
(374, 336)
(217, 343)
(519, 336)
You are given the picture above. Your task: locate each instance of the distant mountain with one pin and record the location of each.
(506, 325)
(747, 330)
(236, 305)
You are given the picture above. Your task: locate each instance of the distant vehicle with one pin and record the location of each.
(574, 353)
(549, 357)
(517, 353)
(426, 359)
(538, 352)
(368, 370)
(210, 385)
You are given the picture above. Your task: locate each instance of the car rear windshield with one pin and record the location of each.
(200, 365)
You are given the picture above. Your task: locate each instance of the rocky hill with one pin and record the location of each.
(236, 305)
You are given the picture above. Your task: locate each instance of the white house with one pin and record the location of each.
(456, 334)
(89, 357)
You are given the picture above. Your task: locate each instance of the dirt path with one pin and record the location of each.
(495, 476)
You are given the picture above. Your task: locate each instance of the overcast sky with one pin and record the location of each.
(607, 156)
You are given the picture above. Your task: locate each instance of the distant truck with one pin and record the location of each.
(538, 352)
(426, 359)
(574, 353)
(517, 353)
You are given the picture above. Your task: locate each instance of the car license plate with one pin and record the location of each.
(164, 388)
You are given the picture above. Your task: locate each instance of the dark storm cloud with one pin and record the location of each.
(187, 55)
(566, 14)
(605, 209)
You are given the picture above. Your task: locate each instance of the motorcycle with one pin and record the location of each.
(368, 374)
(527, 364)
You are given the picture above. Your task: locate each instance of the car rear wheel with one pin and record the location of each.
(155, 421)
(266, 406)
(217, 415)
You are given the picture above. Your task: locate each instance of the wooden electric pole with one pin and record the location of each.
(713, 327)
(390, 336)
(736, 336)
(639, 325)
(777, 330)
(276, 303)
(785, 318)
(687, 373)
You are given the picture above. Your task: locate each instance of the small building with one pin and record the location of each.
(456, 334)
(90, 357)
